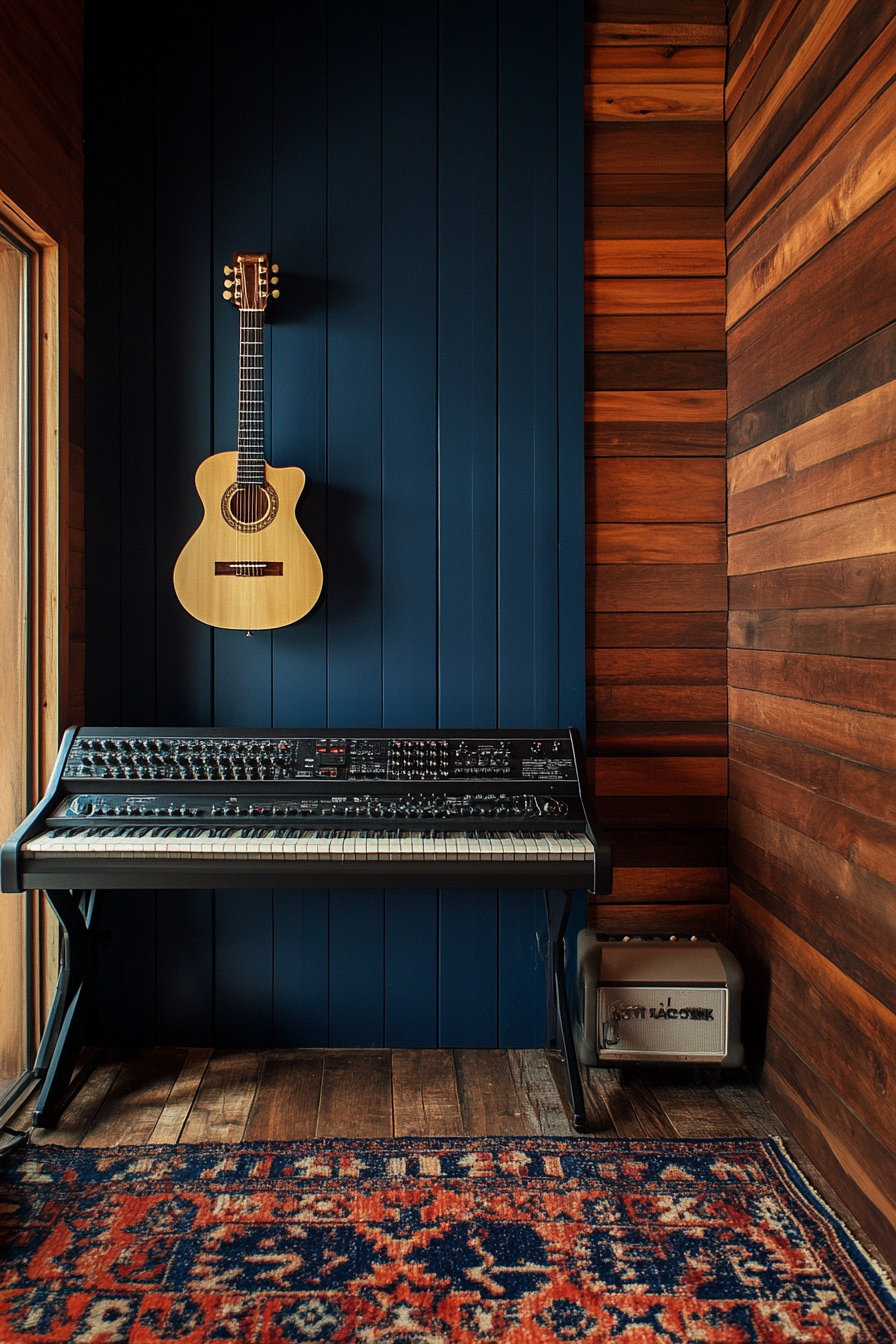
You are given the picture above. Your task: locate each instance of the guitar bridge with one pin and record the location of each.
(249, 569)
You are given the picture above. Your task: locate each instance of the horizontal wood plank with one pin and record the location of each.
(655, 543)
(856, 632)
(699, 257)
(684, 847)
(676, 630)
(642, 490)
(640, 438)
(669, 813)
(838, 380)
(846, 479)
(489, 1100)
(648, 34)
(693, 406)
(684, 775)
(655, 64)
(424, 1093)
(857, 582)
(656, 666)
(604, 221)
(862, 421)
(656, 588)
(651, 920)
(854, 734)
(658, 703)
(816, 770)
(865, 528)
(649, 738)
(851, 935)
(220, 1111)
(681, 147)
(663, 190)
(866, 683)
(653, 101)
(866, 841)
(702, 331)
(673, 886)
(608, 295)
(288, 1096)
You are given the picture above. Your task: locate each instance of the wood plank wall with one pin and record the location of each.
(415, 168)
(655, 445)
(811, 108)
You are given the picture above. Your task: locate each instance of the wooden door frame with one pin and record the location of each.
(47, 669)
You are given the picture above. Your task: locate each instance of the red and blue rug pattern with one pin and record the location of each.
(442, 1241)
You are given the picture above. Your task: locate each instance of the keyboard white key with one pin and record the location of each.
(333, 845)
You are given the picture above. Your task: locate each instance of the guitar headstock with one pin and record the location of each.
(253, 282)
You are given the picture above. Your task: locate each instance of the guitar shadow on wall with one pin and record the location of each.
(330, 516)
(304, 296)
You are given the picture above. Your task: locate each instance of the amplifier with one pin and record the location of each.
(661, 1000)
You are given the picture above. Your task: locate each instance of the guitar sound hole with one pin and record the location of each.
(249, 508)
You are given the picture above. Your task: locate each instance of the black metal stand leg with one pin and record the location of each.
(559, 905)
(61, 1040)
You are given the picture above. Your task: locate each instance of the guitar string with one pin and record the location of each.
(250, 439)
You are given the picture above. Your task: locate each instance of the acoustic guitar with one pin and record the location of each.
(249, 566)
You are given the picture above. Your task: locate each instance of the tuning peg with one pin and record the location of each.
(228, 270)
(275, 269)
(275, 293)
(227, 294)
(228, 284)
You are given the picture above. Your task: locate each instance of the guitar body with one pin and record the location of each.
(248, 566)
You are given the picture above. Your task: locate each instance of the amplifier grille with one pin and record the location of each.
(647, 1022)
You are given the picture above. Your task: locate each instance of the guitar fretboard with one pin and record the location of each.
(250, 432)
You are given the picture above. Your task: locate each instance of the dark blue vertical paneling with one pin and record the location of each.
(468, 960)
(244, 998)
(410, 159)
(185, 968)
(241, 203)
(570, 368)
(411, 983)
(416, 171)
(356, 968)
(301, 968)
(355, 464)
(522, 931)
(187, 290)
(298, 411)
(354, 353)
(527, 362)
(467, 363)
(102, 504)
(136, 334)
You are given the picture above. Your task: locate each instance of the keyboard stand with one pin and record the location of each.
(559, 905)
(63, 1035)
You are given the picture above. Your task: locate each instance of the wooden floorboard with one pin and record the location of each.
(356, 1095)
(288, 1097)
(220, 1111)
(424, 1094)
(197, 1096)
(489, 1100)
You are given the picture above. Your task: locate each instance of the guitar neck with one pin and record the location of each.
(250, 430)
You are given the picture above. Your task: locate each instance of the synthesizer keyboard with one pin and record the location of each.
(127, 808)
(157, 807)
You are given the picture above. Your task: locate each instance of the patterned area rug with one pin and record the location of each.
(435, 1240)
